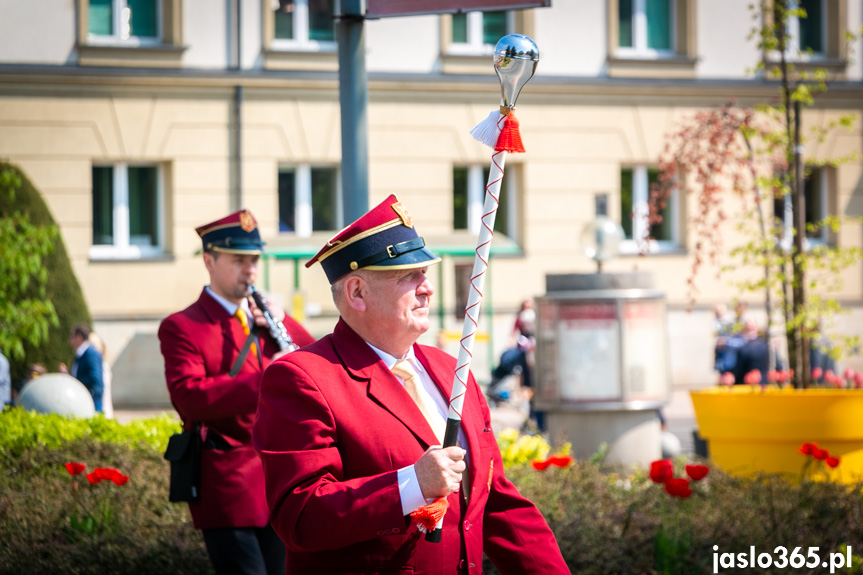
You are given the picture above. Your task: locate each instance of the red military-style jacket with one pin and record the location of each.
(334, 426)
(200, 344)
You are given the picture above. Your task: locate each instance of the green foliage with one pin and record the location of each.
(25, 313)
(54, 285)
(21, 430)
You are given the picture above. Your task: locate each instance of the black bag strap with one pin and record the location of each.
(238, 364)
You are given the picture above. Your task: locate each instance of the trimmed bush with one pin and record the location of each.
(61, 288)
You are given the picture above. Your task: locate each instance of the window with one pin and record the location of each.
(132, 22)
(806, 34)
(469, 195)
(127, 212)
(816, 189)
(309, 200)
(304, 24)
(478, 32)
(635, 185)
(645, 28)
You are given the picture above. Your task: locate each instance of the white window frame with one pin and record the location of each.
(474, 45)
(640, 212)
(121, 28)
(639, 34)
(476, 184)
(303, 216)
(301, 41)
(793, 49)
(122, 248)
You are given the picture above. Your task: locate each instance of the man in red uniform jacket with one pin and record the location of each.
(200, 345)
(349, 430)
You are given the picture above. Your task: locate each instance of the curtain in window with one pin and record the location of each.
(493, 27)
(100, 17)
(321, 27)
(143, 207)
(658, 24)
(143, 18)
(810, 27)
(103, 206)
(624, 23)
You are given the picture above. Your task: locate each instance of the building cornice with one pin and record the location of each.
(437, 86)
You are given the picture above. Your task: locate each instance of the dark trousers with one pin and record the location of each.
(245, 551)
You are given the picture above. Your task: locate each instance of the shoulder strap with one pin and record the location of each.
(238, 364)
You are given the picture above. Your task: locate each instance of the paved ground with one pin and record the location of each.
(678, 413)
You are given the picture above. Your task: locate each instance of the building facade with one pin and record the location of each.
(139, 120)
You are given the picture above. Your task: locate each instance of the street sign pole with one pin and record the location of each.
(353, 97)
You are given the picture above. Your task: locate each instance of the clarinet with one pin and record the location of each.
(277, 328)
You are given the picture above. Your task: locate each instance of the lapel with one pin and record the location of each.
(232, 331)
(443, 373)
(364, 365)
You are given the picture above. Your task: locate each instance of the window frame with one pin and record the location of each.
(826, 204)
(116, 38)
(640, 210)
(474, 45)
(122, 248)
(303, 213)
(301, 41)
(476, 183)
(834, 54)
(640, 50)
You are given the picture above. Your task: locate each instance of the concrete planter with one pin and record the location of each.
(751, 431)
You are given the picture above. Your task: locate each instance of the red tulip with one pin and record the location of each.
(773, 376)
(832, 461)
(75, 468)
(820, 454)
(697, 472)
(560, 460)
(858, 380)
(678, 488)
(849, 373)
(808, 448)
(752, 378)
(540, 465)
(727, 378)
(816, 373)
(661, 470)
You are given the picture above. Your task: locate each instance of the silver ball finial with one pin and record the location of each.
(515, 59)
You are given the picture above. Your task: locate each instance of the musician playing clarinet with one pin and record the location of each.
(215, 354)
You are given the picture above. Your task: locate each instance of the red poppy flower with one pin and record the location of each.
(111, 474)
(94, 477)
(820, 454)
(678, 487)
(539, 464)
(75, 468)
(832, 461)
(808, 448)
(560, 460)
(817, 372)
(697, 472)
(661, 470)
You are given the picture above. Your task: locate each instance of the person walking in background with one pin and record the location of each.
(349, 430)
(87, 367)
(107, 402)
(5, 381)
(754, 355)
(214, 387)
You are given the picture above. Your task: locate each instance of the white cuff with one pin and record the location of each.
(409, 490)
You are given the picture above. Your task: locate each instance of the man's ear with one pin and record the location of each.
(355, 292)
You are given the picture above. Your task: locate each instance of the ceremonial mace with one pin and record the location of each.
(515, 59)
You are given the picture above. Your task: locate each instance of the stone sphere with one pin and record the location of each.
(670, 445)
(57, 393)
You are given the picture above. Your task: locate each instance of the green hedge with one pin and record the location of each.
(608, 520)
(61, 288)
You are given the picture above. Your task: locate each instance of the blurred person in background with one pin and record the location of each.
(107, 402)
(87, 367)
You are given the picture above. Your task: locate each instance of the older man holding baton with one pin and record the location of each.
(349, 430)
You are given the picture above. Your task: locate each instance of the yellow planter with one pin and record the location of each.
(750, 431)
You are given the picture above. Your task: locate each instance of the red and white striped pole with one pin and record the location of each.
(515, 59)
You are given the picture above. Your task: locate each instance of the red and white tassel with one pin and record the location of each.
(430, 517)
(509, 139)
(486, 132)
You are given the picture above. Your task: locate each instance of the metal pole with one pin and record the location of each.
(353, 97)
